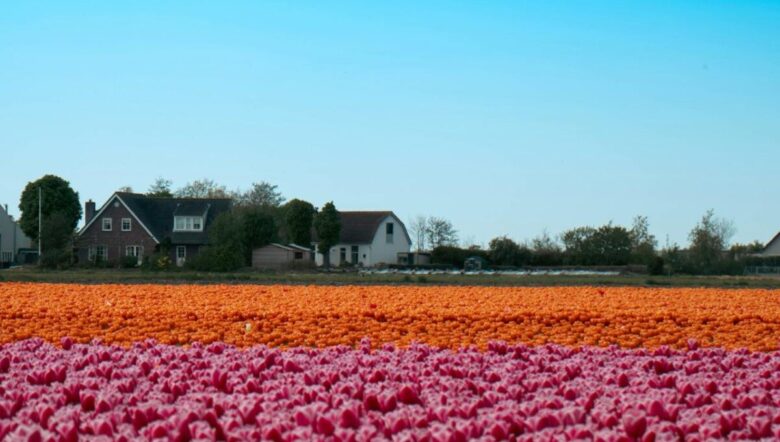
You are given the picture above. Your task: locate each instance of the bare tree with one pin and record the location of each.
(419, 229)
(440, 232)
(126, 189)
(204, 188)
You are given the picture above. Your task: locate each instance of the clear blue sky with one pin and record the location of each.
(505, 117)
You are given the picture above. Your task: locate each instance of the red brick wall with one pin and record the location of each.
(116, 240)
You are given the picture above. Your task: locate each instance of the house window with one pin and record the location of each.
(389, 232)
(355, 255)
(188, 224)
(133, 251)
(136, 251)
(127, 224)
(342, 255)
(298, 255)
(98, 253)
(107, 224)
(181, 252)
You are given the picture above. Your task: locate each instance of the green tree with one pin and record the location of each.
(578, 245)
(261, 194)
(259, 229)
(298, 220)
(607, 245)
(611, 245)
(227, 248)
(58, 197)
(327, 223)
(57, 233)
(504, 251)
(709, 240)
(160, 188)
(642, 242)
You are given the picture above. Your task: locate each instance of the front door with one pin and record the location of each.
(181, 255)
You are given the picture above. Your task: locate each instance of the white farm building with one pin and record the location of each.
(368, 239)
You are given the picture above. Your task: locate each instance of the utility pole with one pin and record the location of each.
(40, 223)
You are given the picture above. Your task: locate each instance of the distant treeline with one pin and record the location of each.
(614, 245)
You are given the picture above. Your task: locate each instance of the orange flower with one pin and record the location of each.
(441, 316)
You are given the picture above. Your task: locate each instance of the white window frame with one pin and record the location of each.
(92, 253)
(187, 223)
(129, 224)
(110, 224)
(136, 251)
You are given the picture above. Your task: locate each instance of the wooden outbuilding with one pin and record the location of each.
(274, 256)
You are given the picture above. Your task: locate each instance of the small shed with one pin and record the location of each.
(414, 258)
(475, 264)
(276, 255)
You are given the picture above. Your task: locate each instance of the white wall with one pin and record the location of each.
(11, 237)
(364, 254)
(384, 252)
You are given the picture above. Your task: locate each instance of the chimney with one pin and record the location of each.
(89, 211)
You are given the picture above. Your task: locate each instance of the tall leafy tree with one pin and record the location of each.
(504, 251)
(227, 247)
(327, 223)
(160, 188)
(58, 198)
(298, 219)
(606, 245)
(258, 227)
(642, 242)
(262, 194)
(709, 239)
(611, 245)
(578, 244)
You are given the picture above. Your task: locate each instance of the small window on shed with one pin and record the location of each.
(389, 232)
(298, 255)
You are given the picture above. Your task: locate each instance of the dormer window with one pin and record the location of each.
(187, 223)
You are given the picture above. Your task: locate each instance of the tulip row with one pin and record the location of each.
(151, 390)
(451, 317)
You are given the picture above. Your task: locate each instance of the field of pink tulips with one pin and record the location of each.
(219, 392)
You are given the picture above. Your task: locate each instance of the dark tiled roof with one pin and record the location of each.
(359, 227)
(157, 214)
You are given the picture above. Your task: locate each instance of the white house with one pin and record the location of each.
(369, 239)
(772, 248)
(11, 238)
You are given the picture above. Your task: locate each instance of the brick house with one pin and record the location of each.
(132, 224)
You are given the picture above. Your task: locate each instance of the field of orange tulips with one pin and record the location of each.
(450, 317)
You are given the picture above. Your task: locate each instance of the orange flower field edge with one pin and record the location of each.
(450, 317)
